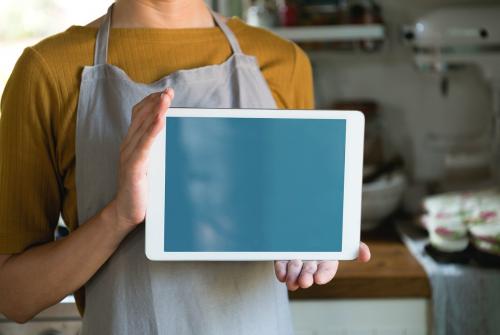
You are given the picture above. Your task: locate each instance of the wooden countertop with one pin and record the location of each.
(391, 273)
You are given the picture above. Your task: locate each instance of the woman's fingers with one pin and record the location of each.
(304, 274)
(159, 102)
(161, 106)
(141, 113)
(156, 114)
(306, 278)
(364, 253)
(292, 274)
(146, 141)
(280, 270)
(326, 271)
(147, 120)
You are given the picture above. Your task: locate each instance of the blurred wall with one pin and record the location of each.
(412, 106)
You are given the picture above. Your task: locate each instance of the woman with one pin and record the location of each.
(77, 124)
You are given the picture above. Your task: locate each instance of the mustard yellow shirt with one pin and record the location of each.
(38, 109)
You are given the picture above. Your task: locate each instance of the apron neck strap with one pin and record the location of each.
(102, 39)
(101, 43)
(231, 38)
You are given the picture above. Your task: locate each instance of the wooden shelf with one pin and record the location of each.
(331, 33)
(391, 273)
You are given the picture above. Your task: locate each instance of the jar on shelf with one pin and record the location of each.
(318, 12)
(289, 13)
(262, 13)
(366, 12)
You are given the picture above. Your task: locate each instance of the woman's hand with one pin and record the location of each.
(148, 119)
(304, 274)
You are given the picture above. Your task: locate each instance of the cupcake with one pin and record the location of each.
(453, 219)
(486, 236)
(447, 233)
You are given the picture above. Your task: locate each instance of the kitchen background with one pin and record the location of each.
(428, 133)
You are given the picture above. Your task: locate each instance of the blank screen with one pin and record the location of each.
(254, 184)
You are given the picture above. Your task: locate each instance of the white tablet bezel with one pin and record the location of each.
(352, 188)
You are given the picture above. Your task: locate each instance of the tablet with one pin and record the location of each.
(248, 185)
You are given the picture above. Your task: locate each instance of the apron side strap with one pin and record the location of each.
(102, 39)
(233, 41)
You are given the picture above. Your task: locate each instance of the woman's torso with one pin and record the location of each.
(130, 294)
(146, 55)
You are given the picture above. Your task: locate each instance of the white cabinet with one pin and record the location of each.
(310, 317)
(360, 317)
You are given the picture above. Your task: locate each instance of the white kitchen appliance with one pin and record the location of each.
(448, 39)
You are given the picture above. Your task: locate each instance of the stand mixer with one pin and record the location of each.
(448, 39)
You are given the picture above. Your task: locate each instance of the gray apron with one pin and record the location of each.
(130, 294)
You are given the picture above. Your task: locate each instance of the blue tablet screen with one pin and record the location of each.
(245, 184)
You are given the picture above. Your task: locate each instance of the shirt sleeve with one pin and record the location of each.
(300, 93)
(30, 193)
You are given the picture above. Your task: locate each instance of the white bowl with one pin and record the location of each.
(380, 199)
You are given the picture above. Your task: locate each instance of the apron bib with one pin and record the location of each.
(131, 295)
